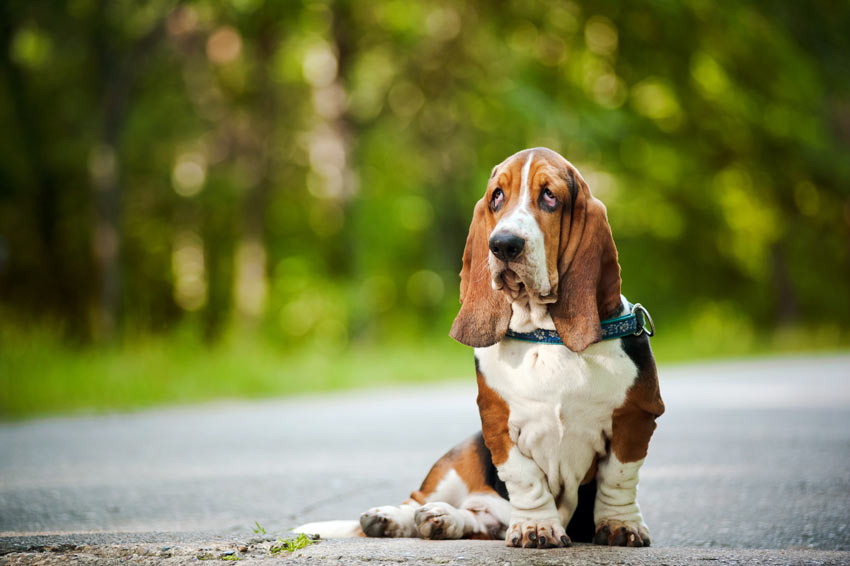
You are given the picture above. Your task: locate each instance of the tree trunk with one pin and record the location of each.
(786, 309)
(251, 280)
(56, 290)
(115, 79)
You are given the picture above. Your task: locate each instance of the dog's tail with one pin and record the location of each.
(332, 529)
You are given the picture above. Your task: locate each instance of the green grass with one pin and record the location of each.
(40, 375)
(712, 336)
(291, 544)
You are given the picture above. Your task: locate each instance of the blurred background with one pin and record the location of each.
(243, 198)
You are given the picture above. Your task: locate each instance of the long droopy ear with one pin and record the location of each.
(589, 274)
(484, 313)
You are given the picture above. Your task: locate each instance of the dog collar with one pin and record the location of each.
(635, 322)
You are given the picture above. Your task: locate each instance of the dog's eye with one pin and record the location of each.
(498, 199)
(548, 201)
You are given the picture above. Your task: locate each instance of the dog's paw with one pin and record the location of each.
(438, 521)
(528, 533)
(621, 533)
(388, 521)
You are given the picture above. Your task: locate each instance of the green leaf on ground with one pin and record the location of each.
(291, 544)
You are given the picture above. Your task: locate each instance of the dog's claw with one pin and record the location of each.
(535, 533)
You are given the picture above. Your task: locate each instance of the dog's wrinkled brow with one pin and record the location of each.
(571, 183)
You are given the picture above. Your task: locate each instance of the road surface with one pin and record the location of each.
(750, 455)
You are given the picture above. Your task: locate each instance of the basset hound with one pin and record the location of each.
(566, 412)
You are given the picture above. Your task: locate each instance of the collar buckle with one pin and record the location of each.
(645, 323)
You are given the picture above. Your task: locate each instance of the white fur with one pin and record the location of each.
(616, 494)
(524, 176)
(331, 529)
(561, 404)
(529, 314)
(531, 265)
(451, 489)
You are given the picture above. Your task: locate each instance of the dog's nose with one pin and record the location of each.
(506, 246)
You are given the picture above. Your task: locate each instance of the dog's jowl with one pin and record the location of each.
(567, 386)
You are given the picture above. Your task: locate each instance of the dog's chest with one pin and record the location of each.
(561, 403)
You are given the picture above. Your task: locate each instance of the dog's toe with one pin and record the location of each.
(619, 533)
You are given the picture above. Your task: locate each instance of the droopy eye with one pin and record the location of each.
(548, 201)
(498, 199)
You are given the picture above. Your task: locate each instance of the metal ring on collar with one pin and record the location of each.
(647, 326)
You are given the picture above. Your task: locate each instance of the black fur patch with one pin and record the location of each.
(573, 186)
(639, 350)
(581, 527)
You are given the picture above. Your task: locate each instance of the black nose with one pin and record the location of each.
(506, 246)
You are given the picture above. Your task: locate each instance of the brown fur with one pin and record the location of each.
(494, 421)
(484, 313)
(634, 420)
(589, 274)
(465, 460)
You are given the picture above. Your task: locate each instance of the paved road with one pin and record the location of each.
(752, 454)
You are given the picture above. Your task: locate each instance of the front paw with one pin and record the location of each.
(438, 521)
(529, 533)
(621, 533)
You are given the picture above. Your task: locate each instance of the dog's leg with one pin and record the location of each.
(451, 511)
(535, 521)
(616, 511)
(482, 515)
(391, 520)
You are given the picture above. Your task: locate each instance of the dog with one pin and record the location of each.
(568, 390)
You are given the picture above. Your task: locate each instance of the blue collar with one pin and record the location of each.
(635, 322)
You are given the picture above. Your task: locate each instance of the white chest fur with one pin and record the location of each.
(560, 402)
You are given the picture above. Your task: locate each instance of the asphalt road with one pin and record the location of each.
(750, 455)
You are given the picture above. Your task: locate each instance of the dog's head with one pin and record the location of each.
(537, 231)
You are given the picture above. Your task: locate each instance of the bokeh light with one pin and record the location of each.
(224, 45)
(189, 174)
(188, 267)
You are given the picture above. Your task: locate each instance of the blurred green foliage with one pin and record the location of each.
(299, 176)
